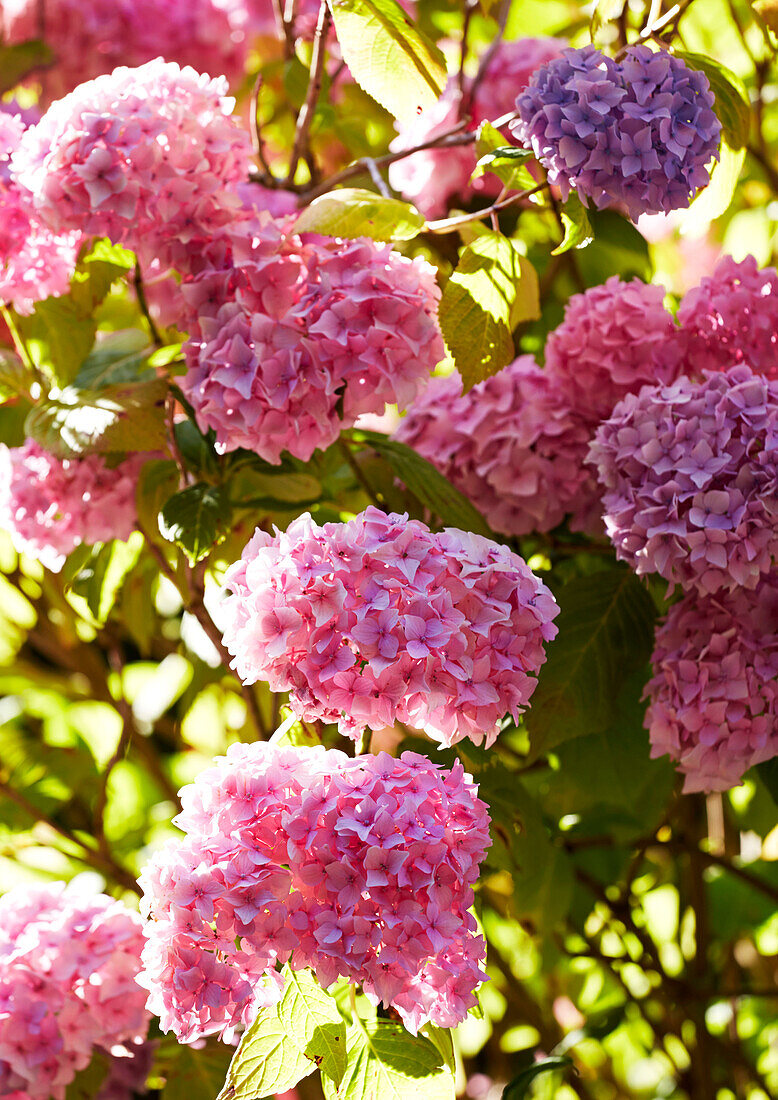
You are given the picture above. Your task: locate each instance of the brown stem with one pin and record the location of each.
(451, 225)
(256, 131)
(305, 117)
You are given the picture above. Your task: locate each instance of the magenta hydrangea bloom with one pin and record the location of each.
(714, 695)
(51, 505)
(90, 39)
(379, 619)
(68, 964)
(147, 156)
(614, 339)
(295, 340)
(636, 133)
(731, 317)
(512, 444)
(690, 473)
(431, 178)
(360, 868)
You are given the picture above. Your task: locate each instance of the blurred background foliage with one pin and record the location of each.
(632, 931)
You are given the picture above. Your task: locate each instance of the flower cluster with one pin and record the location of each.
(51, 505)
(67, 987)
(714, 694)
(431, 178)
(148, 156)
(512, 444)
(613, 339)
(637, 133)
(307, 337)
(731, 317)
(690, 473)
(91, 39)
(379, 620)
(361, 868)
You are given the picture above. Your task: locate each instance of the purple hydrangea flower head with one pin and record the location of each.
(68, 968)
(714, 694)
(690, 473)
(636, 133)
(360, 868)
(51, 505)
(379, 619)
(731, 317)
(513, 444)
(614, 338)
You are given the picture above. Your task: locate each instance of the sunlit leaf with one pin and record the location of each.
(732, 106)
(385, 1060)
(196, 519)
(354, 212)
(520, 1086)
(312, 1018)
(578, 228)
(603, 13)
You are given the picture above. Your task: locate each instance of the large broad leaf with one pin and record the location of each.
(427, 484)
(117, 357)
(114, 418)
(313, 1019)
(732, 106)
(19, 61)
(577, 227)
(196, 519)
(355, 212)
(605, 632)
(388, 55)
(386, 1061)
(493, 289)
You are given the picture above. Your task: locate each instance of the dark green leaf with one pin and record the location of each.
(427, 484)
(20, 60)
(578, 228)
(157, 482)
(114, 418)
(194, 1074)
(384, 1060)
(768, 773)
(519, 1087)
(117, 357)
(88, 1081)
(388, 55)
(195, 448)
(493, 289)
(605, 633)
(354, 212)
(195, 519)
(732, 105)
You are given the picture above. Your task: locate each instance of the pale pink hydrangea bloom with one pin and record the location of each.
(361, 868)
(148, 157)
(731, 317)
(512, 444)
(433, 177)
(614, 338)
(90, 39)
(690, 473)
(379, 619)
(294, 340)
(714, 694)
(68, 967)
(51, 505)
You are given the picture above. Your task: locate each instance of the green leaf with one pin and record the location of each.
(88, 1081)
(194, 1074)
(276, 487)
(389, 56)
(507, 162)
(605, 632)
(714, 199)
(268, 1060)
(117, 357)
(768, 773)
(355, 212)
(195, 519)
(114, 418)
(732, 104)
(157, 482)
(519, 1087)
(386, 1061)
(442, 1039)
(578, 228)
(427, 484)
(15, 377)
(605, 11)
(101, 576)
(493, 289)
(313, 1019)
(98, 268)
(19, 61)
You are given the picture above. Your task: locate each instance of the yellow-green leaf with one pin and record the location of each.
(605, 11)
(577, 227)
(387, 1062)
(355, 212)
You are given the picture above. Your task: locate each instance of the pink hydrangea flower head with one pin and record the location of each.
(68, 988)
(89, 40)
(731, 317)
(379, 619)
(714, 694)
(614, 338)
(147, 156)
(690, 473)
(295, 340)
(512, 444)
(636, 133)
(360, 868)
(51, 505)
